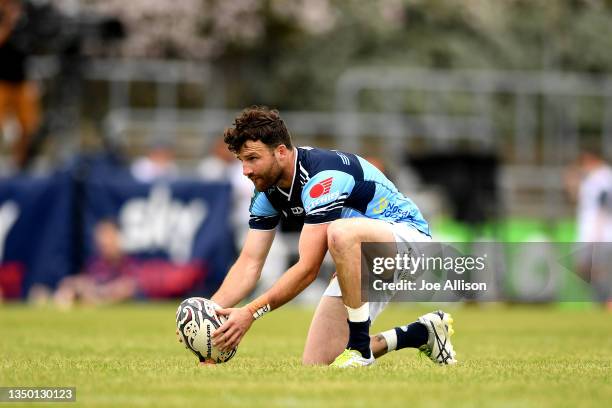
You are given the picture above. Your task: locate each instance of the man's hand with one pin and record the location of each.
(228, 336)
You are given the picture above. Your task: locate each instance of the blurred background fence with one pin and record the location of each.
(529, 122)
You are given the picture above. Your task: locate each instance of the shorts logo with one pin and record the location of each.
(321, 188)
(297, 210)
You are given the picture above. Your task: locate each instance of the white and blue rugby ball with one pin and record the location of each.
(196, 321)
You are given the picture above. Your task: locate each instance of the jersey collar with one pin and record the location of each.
(295, 171)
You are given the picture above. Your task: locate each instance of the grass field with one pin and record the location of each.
(128, 356)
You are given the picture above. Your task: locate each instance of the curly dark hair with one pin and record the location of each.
(257, 123)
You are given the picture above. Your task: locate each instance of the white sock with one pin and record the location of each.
(361, 314)
(391, 339)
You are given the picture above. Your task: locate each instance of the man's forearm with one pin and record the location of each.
(238, 283)
(290, 284)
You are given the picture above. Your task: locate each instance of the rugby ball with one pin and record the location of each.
(196, 321)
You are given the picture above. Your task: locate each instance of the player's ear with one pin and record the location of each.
(281, 151)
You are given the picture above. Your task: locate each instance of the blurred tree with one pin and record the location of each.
(290, 53)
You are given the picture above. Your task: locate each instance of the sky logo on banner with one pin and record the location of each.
(161, 222)
(321, 188)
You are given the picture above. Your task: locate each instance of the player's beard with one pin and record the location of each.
(268, 179)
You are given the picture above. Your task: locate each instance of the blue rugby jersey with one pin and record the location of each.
(328, 185)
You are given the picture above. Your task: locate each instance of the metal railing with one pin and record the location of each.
(545, 106)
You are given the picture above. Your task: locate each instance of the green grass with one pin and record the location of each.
(128, 356)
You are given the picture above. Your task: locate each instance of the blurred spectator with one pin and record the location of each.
(589, 181)
(19, 98)
(109, 277)
(594, 198)
(222, 165)
(158, 164)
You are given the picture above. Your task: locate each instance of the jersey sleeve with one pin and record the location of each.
(324, 196)
(263, 215)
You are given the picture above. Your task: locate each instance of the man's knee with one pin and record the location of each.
(341, 235)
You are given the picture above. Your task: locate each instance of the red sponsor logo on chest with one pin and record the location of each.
(321, 188)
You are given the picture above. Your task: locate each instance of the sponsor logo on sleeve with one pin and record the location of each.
(328, 198)
(382, 204)
(386, 209)
(321, 188)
